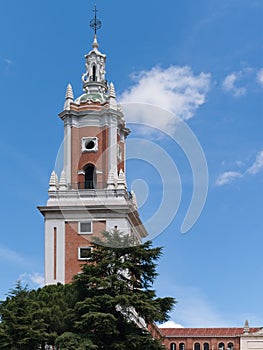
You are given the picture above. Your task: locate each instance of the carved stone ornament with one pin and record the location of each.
(89, 144)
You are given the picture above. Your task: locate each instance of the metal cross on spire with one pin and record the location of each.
(95, 23)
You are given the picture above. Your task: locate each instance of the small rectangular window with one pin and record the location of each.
(85, 227)
(85, 253)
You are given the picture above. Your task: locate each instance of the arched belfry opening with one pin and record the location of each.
(90, 177)
(94, 78)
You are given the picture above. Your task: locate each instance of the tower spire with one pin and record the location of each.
(94, 78)
(95, 23)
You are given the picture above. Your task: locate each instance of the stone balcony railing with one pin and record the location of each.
(87, 185)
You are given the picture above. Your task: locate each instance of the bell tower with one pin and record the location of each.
(90, 194)
(95, 130)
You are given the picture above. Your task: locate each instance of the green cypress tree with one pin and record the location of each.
(115, 296)
(108, 306)
(21, 321)
(55, 303)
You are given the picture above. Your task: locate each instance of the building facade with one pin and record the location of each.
(212, 338)
(90, 195)
(251, 339)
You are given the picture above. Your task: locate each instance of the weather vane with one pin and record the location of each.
(95, 23)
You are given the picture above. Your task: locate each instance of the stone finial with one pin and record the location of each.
(121, 181)
(69, 92)
(112, 97)
(112, 92)
(53, 182)
(246, 327)
(69, 97)
(63, 182)
(95, 43)
(111, 180)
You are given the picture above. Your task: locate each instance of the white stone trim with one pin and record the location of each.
(93, 120)
(119, 153)
(86, 140)
(67, 151)
(112, 147)
(49, 251)
(122, 225)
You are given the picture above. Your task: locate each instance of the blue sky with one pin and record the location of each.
(202, 61)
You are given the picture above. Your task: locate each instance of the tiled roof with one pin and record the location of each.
(204, 332)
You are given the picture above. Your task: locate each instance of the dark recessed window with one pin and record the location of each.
(85, 227)
(173, 346)
(197, 346)
(181, 346)
(85, 253)
(90, 177)
(90, 144)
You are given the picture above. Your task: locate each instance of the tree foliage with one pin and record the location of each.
(22, 322)
(107, 306)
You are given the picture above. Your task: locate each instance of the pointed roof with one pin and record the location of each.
(69, 93)
(246, 327)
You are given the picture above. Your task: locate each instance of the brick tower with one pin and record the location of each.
(91, 193)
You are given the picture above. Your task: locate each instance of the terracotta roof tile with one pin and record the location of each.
(204, 332)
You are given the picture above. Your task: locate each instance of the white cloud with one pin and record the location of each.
(170, 324)
(230, 176)
(229, 84)
(37, 279)
(257, 165)
(6, 62)
(174, 89)
(260, 76)
(34, 280)
(227, 177)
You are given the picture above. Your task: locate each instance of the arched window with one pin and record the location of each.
(197, 346)
(94, 78)
(90, 177)
(206, 346)
(221, 346)
(230, 346)
(181, 346)
(173, 346)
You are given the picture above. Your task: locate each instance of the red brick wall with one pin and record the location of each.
(73, 240)
(121, 164)
(213, 342)
(99, 158)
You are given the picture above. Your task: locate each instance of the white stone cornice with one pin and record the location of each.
(98, 113)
